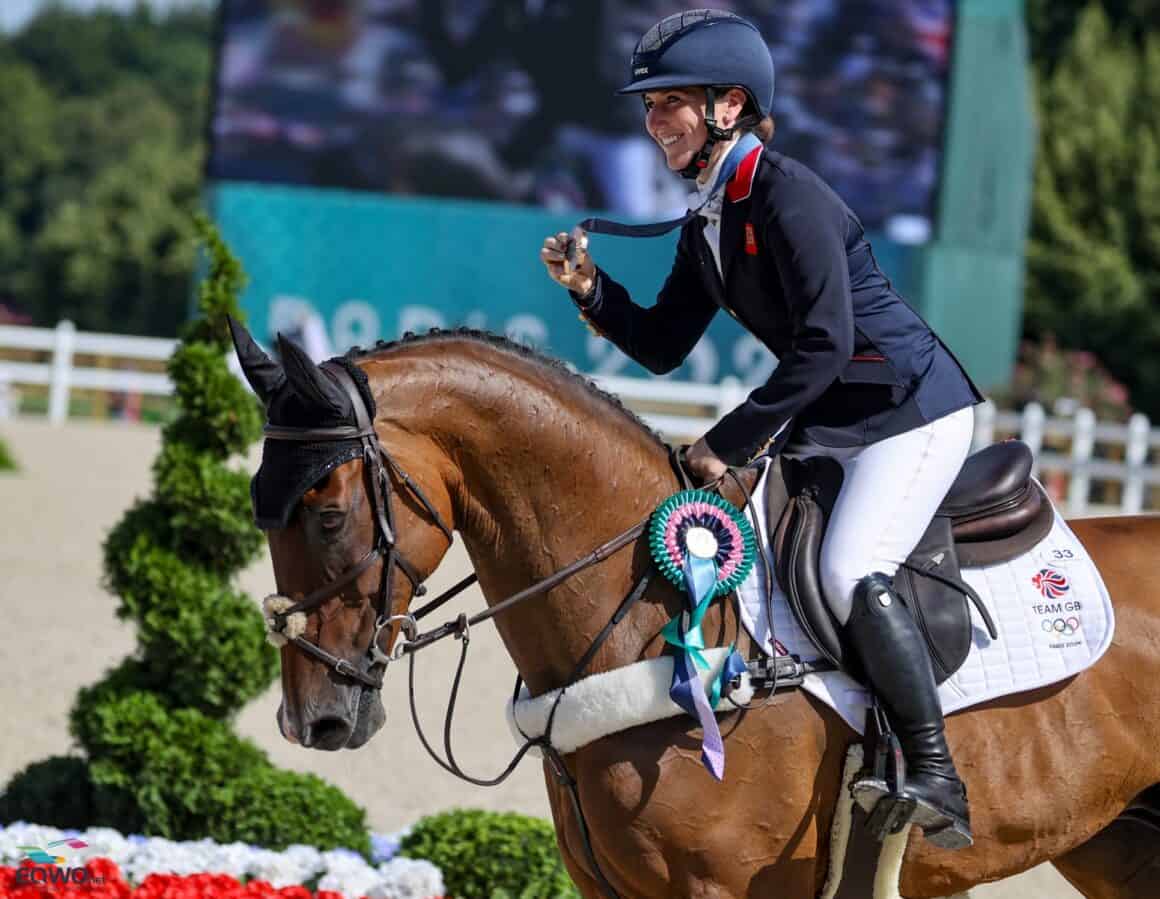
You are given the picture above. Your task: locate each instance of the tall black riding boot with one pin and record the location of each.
(893, 654)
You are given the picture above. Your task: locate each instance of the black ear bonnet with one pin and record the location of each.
(297, 394)
(291, 467)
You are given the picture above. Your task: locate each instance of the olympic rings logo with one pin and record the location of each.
(1064, 626)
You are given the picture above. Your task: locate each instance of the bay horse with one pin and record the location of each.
(534, 466)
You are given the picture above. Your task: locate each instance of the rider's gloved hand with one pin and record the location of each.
(577, 275)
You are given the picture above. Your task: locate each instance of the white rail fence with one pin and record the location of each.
(1094, 466)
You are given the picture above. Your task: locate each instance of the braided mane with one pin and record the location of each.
(559, 369)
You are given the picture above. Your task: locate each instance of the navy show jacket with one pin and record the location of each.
(855, 363)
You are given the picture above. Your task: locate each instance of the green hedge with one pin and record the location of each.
(55, 792)
(7, 460)
(492, 855)
(160, 754)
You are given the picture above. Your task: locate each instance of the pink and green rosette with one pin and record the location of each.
(699, 511)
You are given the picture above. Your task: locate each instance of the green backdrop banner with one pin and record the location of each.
(374, 266)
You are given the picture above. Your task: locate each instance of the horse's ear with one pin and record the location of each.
(310, 382)
(264, 374)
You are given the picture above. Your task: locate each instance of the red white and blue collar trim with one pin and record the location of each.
(740, 186)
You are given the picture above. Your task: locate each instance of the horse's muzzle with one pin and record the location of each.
(334, 729)
(328, 733)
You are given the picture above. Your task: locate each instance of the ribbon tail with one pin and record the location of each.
(687, 692)
(700, 578)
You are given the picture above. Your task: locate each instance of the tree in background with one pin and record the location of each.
(1093, 258)
(100, 166)
(1051, 24)
(160, 753)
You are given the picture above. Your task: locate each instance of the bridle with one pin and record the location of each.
(376, 461)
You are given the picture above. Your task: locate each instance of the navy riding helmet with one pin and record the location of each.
(707, 48)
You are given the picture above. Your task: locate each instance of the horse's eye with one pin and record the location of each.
(331, 519)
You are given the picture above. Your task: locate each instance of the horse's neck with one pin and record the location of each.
(545, 473)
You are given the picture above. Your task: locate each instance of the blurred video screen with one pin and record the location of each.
(513, 100)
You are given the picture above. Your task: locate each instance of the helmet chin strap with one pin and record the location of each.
(700, 160)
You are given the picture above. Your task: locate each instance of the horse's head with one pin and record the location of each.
(350, 546)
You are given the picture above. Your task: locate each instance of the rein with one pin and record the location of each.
(461, 625)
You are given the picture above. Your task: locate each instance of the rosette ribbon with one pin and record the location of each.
(719, 562)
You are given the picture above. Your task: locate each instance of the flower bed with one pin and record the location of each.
(154, 868)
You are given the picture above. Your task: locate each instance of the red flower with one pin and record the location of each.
(155, 886)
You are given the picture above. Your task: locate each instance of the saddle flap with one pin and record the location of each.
(928, 582)
(812, 486)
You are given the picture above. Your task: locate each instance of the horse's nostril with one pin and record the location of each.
(326, 733)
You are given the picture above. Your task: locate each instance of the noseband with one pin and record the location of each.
(282, 625)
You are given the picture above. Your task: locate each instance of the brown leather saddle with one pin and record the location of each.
(993, 513)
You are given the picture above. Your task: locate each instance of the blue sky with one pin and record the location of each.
(14, 13)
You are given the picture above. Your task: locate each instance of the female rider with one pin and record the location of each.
(860, 377)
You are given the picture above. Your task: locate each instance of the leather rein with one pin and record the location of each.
(377, 461)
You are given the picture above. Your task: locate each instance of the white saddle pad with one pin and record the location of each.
(1050, 606)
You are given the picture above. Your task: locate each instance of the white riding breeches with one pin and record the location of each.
(889, 495)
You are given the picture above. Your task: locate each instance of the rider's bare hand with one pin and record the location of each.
(705, 463)
(578, 275)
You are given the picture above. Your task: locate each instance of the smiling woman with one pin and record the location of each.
(676, 119)
(861, 378)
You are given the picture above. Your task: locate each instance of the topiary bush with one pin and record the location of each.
(161, 757)
(7, 460)
(492, 854)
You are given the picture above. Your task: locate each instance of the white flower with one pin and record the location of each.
(407, 878)
(104, 842)
(297, 864)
